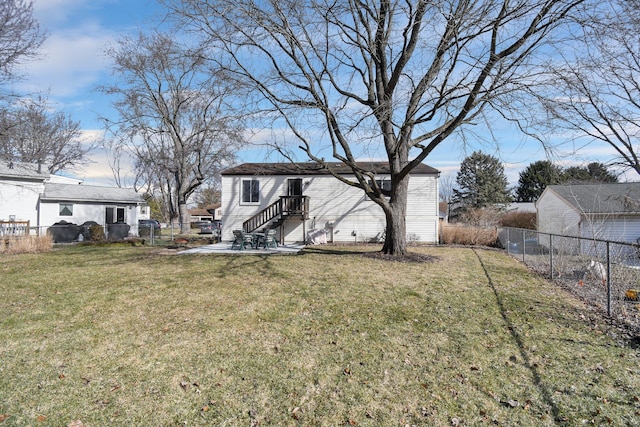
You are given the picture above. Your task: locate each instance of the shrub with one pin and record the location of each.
(96, 233)
(482, 217)
(517, 219)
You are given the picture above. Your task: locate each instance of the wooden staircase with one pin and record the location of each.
(277, 213)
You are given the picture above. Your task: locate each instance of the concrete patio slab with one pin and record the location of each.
(225, 248)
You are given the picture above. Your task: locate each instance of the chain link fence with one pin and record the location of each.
(603, 273)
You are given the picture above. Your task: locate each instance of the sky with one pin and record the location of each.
(72, 64)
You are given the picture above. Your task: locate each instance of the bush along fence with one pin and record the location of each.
(603, 273)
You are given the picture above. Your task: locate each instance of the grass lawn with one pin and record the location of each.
(116, 335)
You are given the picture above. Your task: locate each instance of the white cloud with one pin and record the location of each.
(73, 62)
(51, 13)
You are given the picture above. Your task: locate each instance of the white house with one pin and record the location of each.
(303, 201)
(599, 211)
(29, 193)
(20, 188)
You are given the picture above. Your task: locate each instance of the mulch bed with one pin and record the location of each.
(410, 257)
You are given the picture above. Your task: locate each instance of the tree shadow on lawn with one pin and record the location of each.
(258, 263)
(366, 251)
(517, 338)
(588, 316)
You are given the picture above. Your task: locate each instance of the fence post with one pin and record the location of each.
(608, 281)
(550, 254)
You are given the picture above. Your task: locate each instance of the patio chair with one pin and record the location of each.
(241, 240)
(269, 240)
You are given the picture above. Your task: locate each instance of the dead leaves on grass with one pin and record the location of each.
(186, 385)
(42, 418)
(296, 413)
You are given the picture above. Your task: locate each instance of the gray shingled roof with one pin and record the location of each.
(29, 171)
(88, 193)
(313, 168)
(601, 198)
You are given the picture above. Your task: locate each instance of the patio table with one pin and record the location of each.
(256, 238)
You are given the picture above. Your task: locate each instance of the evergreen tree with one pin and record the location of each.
(481, 182)
(535, 178)
(593, 172)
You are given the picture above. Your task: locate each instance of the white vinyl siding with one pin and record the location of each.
(20, 200)
(556, 216)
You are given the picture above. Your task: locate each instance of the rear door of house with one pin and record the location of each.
(294, 191)
(113, 215)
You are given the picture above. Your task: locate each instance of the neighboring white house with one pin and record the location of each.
(20, 188)
(521, 207)
(302, 200)
(600, 211)
(29, 193)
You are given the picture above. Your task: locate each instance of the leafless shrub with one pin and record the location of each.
(517, 219)
(467, 235)
(96, 233)
(482, 217)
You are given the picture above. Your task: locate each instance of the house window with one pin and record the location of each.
(385, 186)
(66, 209)
(250, 191)
(143, 210)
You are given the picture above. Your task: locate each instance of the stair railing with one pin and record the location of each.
(284, 206)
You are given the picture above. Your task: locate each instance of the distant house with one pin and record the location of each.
(20, 188)
(198, 215)
(215, 210)
(27, 193)
(443, 212)
(600, 211)
(303, 201)
(208, 213)
(521, 207)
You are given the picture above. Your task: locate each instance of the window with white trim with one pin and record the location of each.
(66, 209)
(250, 191)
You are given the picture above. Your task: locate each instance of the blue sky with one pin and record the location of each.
(73, 64)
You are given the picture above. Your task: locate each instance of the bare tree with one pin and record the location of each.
(209, 195)
(29, 132)
(20, 35)
(595, 91)
(116, 151)
(173, 115)
(403, 75)
(446, 185)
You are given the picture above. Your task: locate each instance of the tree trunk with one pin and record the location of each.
(185, 225)
(395, 241)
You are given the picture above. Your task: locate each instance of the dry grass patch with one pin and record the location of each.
(459, 234)
(25, 244)
(126, 336)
